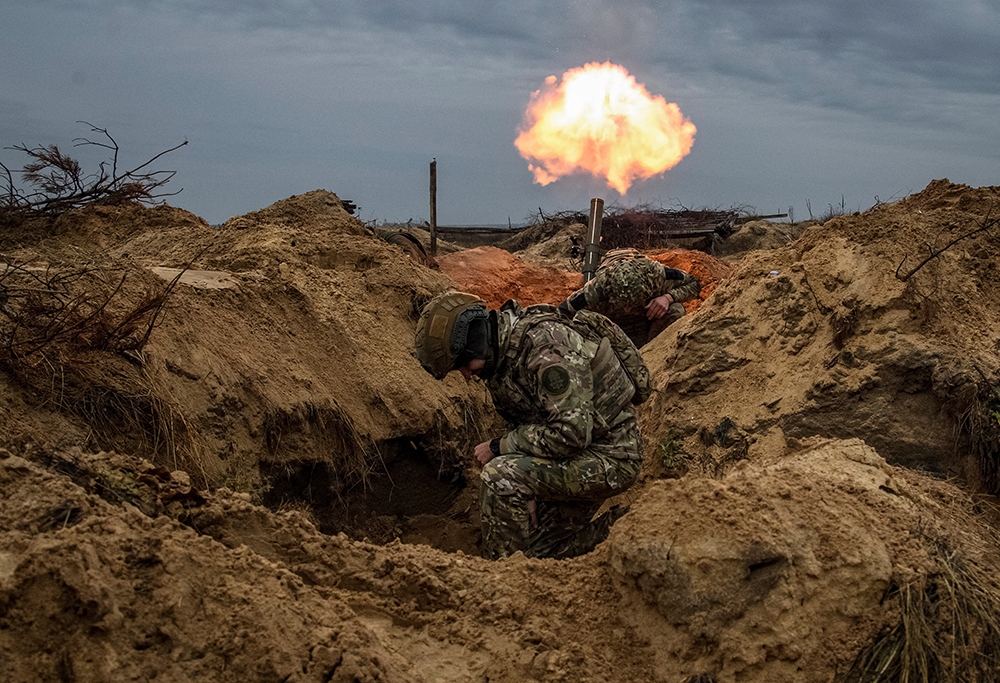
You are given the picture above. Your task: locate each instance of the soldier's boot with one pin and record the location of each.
(587, 538)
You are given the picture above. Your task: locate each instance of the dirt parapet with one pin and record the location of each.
(786, 544)
(822, 338)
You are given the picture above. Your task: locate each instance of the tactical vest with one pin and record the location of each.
(627, 352)
(610, 340)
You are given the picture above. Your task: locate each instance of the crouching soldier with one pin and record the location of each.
(640, 295)
(567, 393)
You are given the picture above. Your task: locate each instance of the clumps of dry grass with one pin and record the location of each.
(307, 432)
(73, 335)
(141, 422)
(948, 630)
(982, 423)
(949, 623)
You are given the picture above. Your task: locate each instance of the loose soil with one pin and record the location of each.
(269, 487)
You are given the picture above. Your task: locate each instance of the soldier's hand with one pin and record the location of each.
(657, 308)
(483, 453)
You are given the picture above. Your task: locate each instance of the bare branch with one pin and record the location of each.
(166, 151)
(113, 146)
(58, 183)
(985, 225)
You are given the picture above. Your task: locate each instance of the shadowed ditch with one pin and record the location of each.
(408, 496)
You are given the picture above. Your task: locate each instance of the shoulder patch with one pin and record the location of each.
(555, 380)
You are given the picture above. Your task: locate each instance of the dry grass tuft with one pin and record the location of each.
(949, 628)
(141, 422)
(74, 337)
(294, 436)
(982, 423)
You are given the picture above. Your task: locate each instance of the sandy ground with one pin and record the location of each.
(243, 474)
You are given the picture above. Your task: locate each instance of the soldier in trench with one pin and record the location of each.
(643, 297)
(574, 440)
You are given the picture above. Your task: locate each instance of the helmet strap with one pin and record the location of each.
(492, 346)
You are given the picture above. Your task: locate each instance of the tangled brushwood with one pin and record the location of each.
(641, 227)
(49, 312)
(56, 183)
(75, 335)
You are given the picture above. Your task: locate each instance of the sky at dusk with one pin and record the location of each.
(796, 103)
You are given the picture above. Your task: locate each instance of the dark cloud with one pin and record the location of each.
(275, 94)
(954, 45)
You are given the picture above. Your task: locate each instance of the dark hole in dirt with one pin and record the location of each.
(411, 498)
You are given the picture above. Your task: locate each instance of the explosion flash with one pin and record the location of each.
(600, 120)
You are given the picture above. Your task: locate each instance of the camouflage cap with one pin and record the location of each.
(613, 256)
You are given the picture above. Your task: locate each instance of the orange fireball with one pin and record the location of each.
(601, 121)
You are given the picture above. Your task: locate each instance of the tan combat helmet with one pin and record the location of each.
(443, 329)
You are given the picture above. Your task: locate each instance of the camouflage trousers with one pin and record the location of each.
(566, 494)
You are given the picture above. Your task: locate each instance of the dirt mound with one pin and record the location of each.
(88, 232)
(561, 249)
(272, 384)
(825, 337)
(756, 235)
(549, 234)
(272, 488)
(781, 572)
(114, 569)
(496, 275)
(318, 210)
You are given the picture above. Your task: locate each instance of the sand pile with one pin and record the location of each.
(825, 337)
(296, 500)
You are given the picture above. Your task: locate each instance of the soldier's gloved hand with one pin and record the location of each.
(657, 308)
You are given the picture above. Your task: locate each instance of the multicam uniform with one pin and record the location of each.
(576, 442)
(624, 284)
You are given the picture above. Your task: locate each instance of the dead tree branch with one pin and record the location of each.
(985, 225)
(57, 183)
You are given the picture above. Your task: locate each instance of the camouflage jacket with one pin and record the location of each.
(625, 287)
(560, 390)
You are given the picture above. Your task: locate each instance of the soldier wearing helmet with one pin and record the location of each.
(642, 296)
(573, 440)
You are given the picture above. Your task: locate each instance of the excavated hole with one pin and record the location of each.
(411, 498)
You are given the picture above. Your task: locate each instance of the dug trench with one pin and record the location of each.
(420, 488)
(834, 347)
(409, 495)
(803, 501)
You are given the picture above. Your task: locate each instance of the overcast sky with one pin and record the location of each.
(794, 101)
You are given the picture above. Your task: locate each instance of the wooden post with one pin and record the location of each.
(434, 208)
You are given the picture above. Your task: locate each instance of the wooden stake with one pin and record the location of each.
(434, 210)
